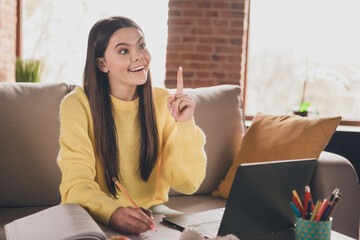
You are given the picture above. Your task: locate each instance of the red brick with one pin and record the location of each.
(173, 64)
(189, 39)
(169, 83)
(202, 31)
(178, 30)
(172, 56)
(232, 82)
(187, 74)
(228, 32)
(221, 5)
(8, 19)
(204, 22)
(231, 14)
(192, 13)
(225, 49)
(211, 45)
(204, 48)
(218, 75)
(202, 75)
(175, 13)
(217, 57)
(236, 41)
(195, 56)
(204, 5)
(234, 58)
(214, 40)
(220, 22)
(230, 67)
(211, 14)
(240, 6)
(208, 66)
(182, 4)
(237, 23)
(171, 74)
(173, 39)
(204, 84)
(235, 76)
(181, 21)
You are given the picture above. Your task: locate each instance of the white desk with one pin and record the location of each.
(164, 232)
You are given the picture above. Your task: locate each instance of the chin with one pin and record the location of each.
(143, 80)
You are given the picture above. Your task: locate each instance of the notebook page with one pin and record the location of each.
(65, 221)
(164, 232)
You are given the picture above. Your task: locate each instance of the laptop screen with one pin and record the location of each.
(259, 200)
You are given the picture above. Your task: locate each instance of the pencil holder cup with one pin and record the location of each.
(311, 230)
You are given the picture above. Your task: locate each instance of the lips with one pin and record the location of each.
(136, 69)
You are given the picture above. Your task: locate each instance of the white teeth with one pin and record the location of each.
(137, 69)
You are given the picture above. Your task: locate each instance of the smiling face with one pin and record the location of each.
(126, 62)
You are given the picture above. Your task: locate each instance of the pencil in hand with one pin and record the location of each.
(123, 190)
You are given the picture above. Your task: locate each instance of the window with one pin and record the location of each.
(56, 31)
(316, 41)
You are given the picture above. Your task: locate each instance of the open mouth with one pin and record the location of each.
(138, 69)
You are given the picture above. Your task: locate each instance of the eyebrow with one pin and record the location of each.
(126, 44)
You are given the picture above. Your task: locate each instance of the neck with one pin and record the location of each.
(125, 94)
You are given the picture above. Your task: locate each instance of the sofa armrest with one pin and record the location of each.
(334, 171)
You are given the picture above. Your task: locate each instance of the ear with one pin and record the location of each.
(101, 65)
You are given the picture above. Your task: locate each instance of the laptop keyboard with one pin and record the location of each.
(208, 229)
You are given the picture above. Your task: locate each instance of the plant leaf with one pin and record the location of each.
(304, 106)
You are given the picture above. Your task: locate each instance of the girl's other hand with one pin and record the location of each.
(181, 106)
(129, 220)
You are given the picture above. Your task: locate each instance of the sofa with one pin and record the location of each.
(30, 177)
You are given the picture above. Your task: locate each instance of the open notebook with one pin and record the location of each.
(65, 221)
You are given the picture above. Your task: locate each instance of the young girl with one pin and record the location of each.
(118, 125)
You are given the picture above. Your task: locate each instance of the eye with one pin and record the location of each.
(142, 46)
(123, 51)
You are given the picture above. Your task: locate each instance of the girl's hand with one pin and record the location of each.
(130, 220)
(181, 106)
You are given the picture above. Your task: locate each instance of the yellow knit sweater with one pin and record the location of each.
(181, 163)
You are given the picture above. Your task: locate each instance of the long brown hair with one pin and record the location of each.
(97, 89)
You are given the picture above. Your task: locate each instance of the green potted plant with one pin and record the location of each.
(28, 70)
(316, 74)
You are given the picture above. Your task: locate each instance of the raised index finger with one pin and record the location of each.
(180, 81)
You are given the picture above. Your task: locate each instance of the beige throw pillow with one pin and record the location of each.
(272, 138)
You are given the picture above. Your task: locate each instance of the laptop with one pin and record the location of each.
(258, 206)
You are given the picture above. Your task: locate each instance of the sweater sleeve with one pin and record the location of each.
(76, 160)
(183, 156)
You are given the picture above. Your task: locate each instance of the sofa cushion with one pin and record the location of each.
(29, 132)
(219, 114)
(272, 138)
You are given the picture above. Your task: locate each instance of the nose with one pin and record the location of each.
(137, 56)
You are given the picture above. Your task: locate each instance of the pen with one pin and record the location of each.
(308, 211)
(306, 201)
(297, 201)
(322, 209)
(326, 212)
(334, 194)
(316, 209)
(122, 189)
(333, 206)
(296, 210)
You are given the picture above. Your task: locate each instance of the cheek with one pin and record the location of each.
(147, 56)
(116, 62)
(121, 66)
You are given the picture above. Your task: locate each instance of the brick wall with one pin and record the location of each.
(8, 19)
(207, 38)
